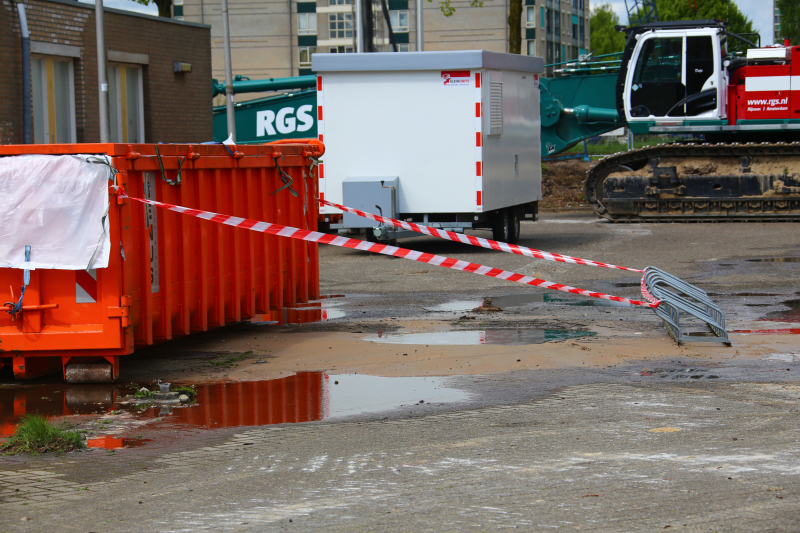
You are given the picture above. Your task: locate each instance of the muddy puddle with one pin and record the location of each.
(496, 337)
(125, 420)
(326, 308)
(787, 315)
(773, 331)
(680, 373)
(521, 300)
(775, 260)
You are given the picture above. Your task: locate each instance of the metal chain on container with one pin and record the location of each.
(177, 180)
(15, 308)
(285, 178)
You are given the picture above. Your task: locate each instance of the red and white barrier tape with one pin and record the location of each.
(647, 296)
(477, 241)
(438, 260)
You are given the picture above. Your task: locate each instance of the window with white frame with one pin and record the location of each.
(340, 2)
(531, 47)
(402, 48)
(305, 55)
(399, 20)
(341, 49)
(530, 17)
(125, 104)
(53, 85)
(341, 25)
(307, 23)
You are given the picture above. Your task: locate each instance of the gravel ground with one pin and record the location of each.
(696, 438)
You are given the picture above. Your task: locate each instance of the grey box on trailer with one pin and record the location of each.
(374, 195)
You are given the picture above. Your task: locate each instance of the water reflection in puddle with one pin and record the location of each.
(499, 337)
(111, 442)
(326, 308)
(790, 315)
(775, 260)
(519, 300)
(303, 397)
(457, 306)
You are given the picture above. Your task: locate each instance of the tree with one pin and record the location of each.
(790, 21)
(604, 38)
(515, 27)
(447, 7)
(726, 10)
(164, 6)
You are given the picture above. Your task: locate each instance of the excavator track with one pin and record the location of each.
(693, 182)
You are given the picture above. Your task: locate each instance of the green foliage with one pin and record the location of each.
(790, 21)
(189, 390)
(230, 360)
(603, 37)
(36, 435)
(515, 27)
(726, 10)
(164, 6)
(447, 7)
(142, 393)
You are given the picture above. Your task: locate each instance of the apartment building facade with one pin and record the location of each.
(776, 24)
(276, 38)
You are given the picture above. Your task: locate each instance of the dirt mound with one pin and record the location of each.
(562, 184)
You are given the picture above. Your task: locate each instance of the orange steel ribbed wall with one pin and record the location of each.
(171, 275)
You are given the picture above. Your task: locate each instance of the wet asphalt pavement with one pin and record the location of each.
(681, 443)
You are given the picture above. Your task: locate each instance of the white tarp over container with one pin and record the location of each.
(57, 204)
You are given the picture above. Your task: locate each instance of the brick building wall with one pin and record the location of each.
(177, 106)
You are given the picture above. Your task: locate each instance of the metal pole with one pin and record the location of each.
(420, 26)
(26, 74)
(359, 29)
(102, 72)
(291, 52)
(226, 40)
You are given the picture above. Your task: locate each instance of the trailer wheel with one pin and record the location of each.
(513, 225)
(500, 225)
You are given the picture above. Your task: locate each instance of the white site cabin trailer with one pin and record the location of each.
(450, 139)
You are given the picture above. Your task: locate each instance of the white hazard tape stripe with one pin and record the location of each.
(647, 296)
(477, 241)
(307, 235)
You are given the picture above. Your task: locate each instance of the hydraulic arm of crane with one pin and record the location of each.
(268, 85)
(575, 108)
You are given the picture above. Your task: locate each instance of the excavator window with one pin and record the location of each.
(657, 84)
(700, 97)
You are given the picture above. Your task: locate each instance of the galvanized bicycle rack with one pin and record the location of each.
(677, 297)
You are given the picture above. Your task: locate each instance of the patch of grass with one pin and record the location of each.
(36, 435)
(230, 360)
(188, 390)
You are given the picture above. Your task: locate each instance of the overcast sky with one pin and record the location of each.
(760, 11)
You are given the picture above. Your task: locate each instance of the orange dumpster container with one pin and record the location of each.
(170, 275)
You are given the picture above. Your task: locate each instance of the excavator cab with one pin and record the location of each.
(676, 74)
